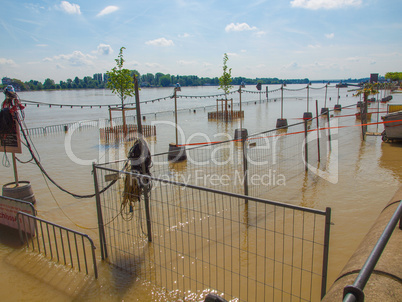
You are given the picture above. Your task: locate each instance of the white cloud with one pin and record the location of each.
(260, 33)
(42, 45)
(314, 46)
(206, 64)
(70, 8)
(77, 58)
(243, 50)
(185, 35)
(330, 36)
(4, 61)
(160, 42)
(104, 49)
(153, 65)
(291, 66)
(184, 63)
(232, 54)
(353, 59)
(239, 27)
(324, 4)
(107, 10)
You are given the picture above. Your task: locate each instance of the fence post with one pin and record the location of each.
(139, 127)
(325, 252)
(102, 238)
(318, 132)
(245, 164)
(305, 146)
(329, 131)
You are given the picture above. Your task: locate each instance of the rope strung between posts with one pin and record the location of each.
(44, 172)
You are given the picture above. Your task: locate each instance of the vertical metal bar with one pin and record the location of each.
(69, 250)
(282, 101)
(62, 245)
(175, 114)
(56, 245)
(329, 131)
(305, 147)
(37, 237)
(318, 132)
(76, 250)
(245, 165)
(50, 242)
(325, 252)
(102, 238)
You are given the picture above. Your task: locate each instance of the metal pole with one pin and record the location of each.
(245, 165)
(325, 252)
(337, 102)
(308, 96)
(326, 90)
(329, 131)
(102, 237)
(266, 92)
(305, 146)
(175, 114)
(139, 125)
(369, 265)
(282, 101)
(318, 131)
(241, 122)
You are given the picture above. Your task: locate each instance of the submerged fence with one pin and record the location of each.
(58, 243)
(194, 240)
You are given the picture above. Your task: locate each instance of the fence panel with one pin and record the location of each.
(58, 243)
(205, 240)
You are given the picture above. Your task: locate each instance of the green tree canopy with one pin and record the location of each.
(225, 80)
(394, 76)
(120, 80)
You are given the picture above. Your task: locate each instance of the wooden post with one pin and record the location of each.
(110, 118)
(15, 170)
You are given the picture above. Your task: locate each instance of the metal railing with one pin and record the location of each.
(194, 239)
(57, 243)
(354, 293)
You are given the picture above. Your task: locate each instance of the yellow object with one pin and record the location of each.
(394, 108)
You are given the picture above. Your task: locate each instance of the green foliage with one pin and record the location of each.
(120, 80)
(368, 89)
(394, 76)
(225, 80)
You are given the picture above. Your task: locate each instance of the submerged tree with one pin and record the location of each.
(225, 80)
(120, 80)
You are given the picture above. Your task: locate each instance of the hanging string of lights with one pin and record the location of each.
(57, 105)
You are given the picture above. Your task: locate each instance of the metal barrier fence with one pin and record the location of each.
(353, 293)
(194, 240)
(57, 243)
(259, 164)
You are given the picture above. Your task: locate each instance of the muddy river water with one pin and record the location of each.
(369, 172)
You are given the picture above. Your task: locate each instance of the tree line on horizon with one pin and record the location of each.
(99, 81)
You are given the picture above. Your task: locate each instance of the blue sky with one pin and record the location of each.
(316, 39)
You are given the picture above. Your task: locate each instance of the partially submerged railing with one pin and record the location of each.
(353, 293)
(194, 239)
(57, 243)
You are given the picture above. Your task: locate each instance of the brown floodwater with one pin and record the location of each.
(369, 172)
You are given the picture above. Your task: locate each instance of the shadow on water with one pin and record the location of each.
(10, 237)
(37, 270)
